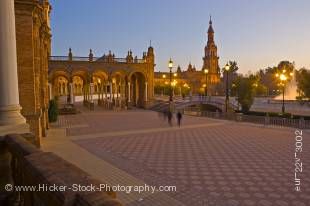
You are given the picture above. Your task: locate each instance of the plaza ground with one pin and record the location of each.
(211, 162)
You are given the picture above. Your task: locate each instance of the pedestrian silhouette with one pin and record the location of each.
(169, 118)
(179, 117)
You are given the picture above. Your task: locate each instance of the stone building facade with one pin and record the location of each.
(106, 79)
(33, 42)
(184, 81)
(197, 81)
(210, 62)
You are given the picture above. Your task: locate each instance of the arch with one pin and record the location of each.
(101, 74)
(58, 72)
(137, 90)
(121, 72)
(137, 71)
(77, 82)
(80, 73)
(60, 85)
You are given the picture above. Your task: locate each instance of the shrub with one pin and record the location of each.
(245, 93)
(52, 111)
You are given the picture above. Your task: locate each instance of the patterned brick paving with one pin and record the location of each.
(228, 164)
(120, 121)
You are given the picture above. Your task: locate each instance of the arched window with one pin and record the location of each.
(63, 89)
(59, 88)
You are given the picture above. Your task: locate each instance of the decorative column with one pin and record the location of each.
(146, 88)
(91, 91)
(106, 91)
(129, 91)
(10, 117)
(71, 90)
(50, 91)
(115, 89)
(111, 91)
(84, 94)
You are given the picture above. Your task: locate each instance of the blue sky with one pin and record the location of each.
(255, 33)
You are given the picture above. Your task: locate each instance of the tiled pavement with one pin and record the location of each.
(210, 162)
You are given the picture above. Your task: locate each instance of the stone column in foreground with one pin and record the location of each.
(11, 119)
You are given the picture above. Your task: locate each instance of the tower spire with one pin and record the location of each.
(210, 30)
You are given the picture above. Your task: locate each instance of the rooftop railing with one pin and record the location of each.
(95, 59)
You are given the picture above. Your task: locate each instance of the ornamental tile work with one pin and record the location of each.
(215, 163)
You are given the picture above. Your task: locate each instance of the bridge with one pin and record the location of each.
(261, 104)
(181, 103)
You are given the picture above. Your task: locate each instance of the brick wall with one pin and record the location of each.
(33, 40)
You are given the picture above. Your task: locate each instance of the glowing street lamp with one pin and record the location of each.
(227, 67)
(283, 78)
(170, 65)
(206, 71)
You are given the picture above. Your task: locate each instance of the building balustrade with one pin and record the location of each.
(94, 59)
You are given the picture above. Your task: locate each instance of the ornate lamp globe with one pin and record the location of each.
(170, 64)
(227, 67)
(283, 77)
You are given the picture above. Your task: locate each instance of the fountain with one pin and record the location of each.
(291, 104)
(290, 92)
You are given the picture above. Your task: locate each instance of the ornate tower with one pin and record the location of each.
(210, 61)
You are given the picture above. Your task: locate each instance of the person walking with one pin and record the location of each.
(169, 115)
(179, 117)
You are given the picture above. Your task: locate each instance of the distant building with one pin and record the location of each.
(186, 81)
(191, 80)
(118, 81)
(210, 62)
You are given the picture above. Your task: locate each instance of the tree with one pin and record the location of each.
(268, 76)
(286, 65)
(52, 111)
(268, 79)
(303, 82)
(246, 92)
(233, 67)
(232, 75)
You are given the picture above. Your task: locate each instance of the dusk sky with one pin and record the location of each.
(255, 33)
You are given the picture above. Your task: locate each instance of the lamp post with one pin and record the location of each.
(170, 65)
(283, 78)
(227, 67)
(206, 71)
(164, 77)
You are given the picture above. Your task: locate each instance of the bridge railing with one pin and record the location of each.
(263, 120)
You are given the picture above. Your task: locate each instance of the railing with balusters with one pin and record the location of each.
(94, 59)
(264, 120)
